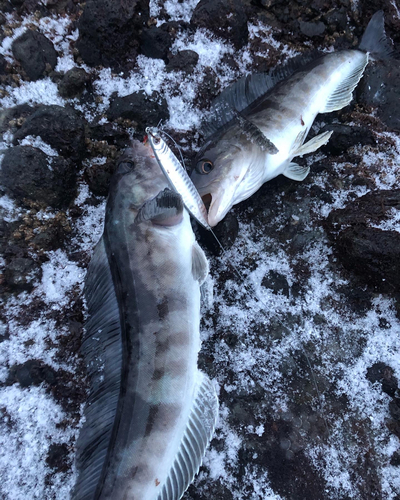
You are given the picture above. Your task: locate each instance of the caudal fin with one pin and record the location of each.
(374, 40)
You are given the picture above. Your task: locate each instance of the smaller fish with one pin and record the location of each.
(260, 124)
(177, 177)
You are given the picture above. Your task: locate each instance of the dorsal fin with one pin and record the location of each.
(247, 90)
(197, 435)
(102, 351)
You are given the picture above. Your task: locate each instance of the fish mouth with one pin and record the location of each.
(207, 198)
(215, 207)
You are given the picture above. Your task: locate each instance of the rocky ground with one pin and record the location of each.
(303, 341)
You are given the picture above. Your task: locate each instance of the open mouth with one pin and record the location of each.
(207, 198)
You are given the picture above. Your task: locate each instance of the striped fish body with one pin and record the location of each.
(259, 124)
(151, 412)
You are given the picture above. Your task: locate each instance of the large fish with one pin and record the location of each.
(151, 412)
(260, 123)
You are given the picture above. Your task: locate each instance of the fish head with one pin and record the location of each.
(218, 174)
(139, 185)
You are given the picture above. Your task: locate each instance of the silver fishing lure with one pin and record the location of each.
(177, 177)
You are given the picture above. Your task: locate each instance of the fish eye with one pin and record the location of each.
(205, 166)
(125, 166)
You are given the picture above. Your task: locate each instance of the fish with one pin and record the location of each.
(260, 124)
(177, 177)
(151, 412)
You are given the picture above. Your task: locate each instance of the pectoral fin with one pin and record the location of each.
(313, 144)
(166, 209)
(296, 172)
(197, 435)
(199, 264)
(343, 93)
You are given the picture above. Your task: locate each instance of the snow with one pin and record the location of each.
(257, 338)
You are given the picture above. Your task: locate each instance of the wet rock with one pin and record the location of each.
(276, 282)
(73, 83)
(155, 42)
(20, 274)
(370, 252)
(109, 31)
(312, 29)
(226, 18)
(59, 127)
(344, 137)
(13, 118)
(57, 457)
(35, 53)
(27, 172)
(379, 372)
(140, 108)
(380, 88)
(185, 60)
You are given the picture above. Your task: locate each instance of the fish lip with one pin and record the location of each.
(217, 211)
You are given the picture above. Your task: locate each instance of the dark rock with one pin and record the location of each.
(344, 137)
(111, 133)
(34, 52)
(185, 60)
(3, 65)
(276, 282)
(109, 31)
(29, 173)
(395, 460)
(369, 252)
(140, 108)
(73, 83)
(380, 88)
(336, 20)
(312, 29)
(20, 274)
(31, 373)
(57, 457)
(155, 42)
(98, 177)
(394, 409)
(11, 118)
(4, 333)
(226, 232)
(59, 127)
(225, 18)
(50, 238)
(379, 372)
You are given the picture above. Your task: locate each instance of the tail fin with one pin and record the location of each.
(374, 40)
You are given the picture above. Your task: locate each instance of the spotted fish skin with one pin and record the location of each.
(238, 163)
(165, 408)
